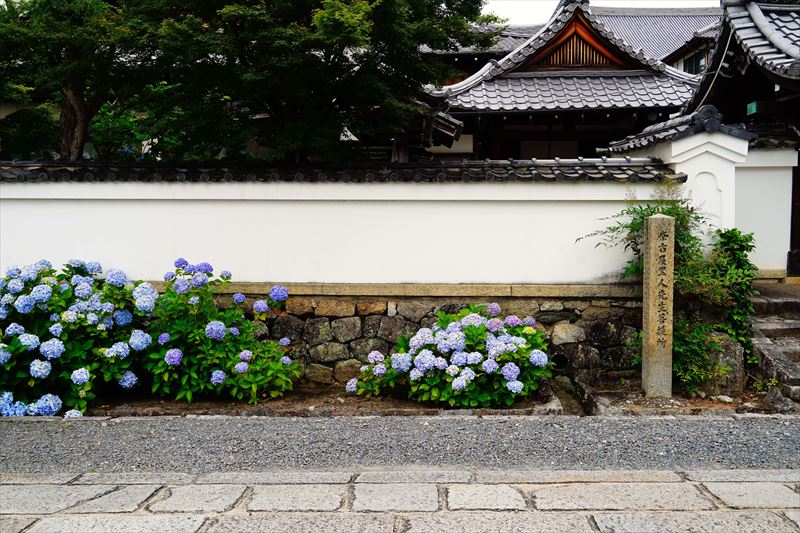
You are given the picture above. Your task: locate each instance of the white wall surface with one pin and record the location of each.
(322, 232)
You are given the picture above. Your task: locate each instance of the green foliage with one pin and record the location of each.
(28, 133)
(691, 344)
(436, 385)
(186, 321)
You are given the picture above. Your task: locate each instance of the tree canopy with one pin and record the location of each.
(198, 80)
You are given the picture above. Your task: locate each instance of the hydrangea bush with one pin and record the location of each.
(65, 331)
(204, 350)
(468, 359)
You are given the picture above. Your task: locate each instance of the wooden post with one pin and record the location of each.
(659, 263)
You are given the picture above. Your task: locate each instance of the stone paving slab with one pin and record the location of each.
(200, 498)
(482, 522)
(788, 476)
(97, 523)
(297, 498)
(488, 497)
(135, 478)
(15, 524)
(306, 523)
(755, 495)
(125, 500)
(617, 496)
(700, 522)
(281, 478)
(578, 476)
(794, 516)
(415, 476)
(396, 497)
(35, 478)
(45, 499)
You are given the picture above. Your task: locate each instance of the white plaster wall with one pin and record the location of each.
(335, 233)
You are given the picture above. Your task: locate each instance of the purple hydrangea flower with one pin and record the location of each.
(510, 371)
(128, 380)
(233, 331)
(56, 329)
(424, 361)
(286, 360)
(163, 339)
(245, 355)
(239, 298)
(489, 366)
(529, 321)
(513, 320)
(415, 374)
(180, 262)
(440, 363)
(29, 341)
(473, 319)
(260, 306)
(493, 309)
(379, 369)
(494, 324)
(189, 269)
(473, 358)
(194, 300)
(515, 386)
(118, 349)
(199, 279)
(421, 338)
(285, 341)
(52, 349)
(278, 293)
(226, 274)
(14, 329)
(217, 377)
(352, 386)
(375, 357)
(40, 369)
(169, 276)
(538, 358)
(182, 286)
(401, 362)
(241, 367)
(204, 267)
(139, 340)
(215, 330)
(459, 383)
(116, 277)
(173, 357)
(80, 376)
(467, 373)
(459, 359)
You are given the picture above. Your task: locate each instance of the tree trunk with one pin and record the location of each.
(74, 125)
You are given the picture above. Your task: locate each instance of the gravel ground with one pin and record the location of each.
(209, 444)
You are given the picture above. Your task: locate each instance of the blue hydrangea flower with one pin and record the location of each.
(92, 318)
(375, 357)
(5, 355)
(473, 319)
(3, 312)
(352, 386)
(285, 341)
(494, 325)
(278, 293)
(40, 369)
(440, 363)
(459, 383)
(14, 329)
(245, 355)
(69, 317)
(169, 276)
(401, 362)
(29, 341)
(77, 279)
(73, 413)
(493, 309)
(107, 307)
(204, 267)
(107, 323)
(15, 286)
(41, 293)
(7, 299)
(63, 287)
(233, 331)
(43, 264)
(194, 300)
(379, 369)
(173, 357)
(529, 321)
(286, 360)
(145, 303)
(241, 367)
(489, 366)
(189, 269)
(80, 376)
(48, 405)
(139, 340)
(8, 407)
(13, 271)
(83, 291)
(474, 358)
(56, 329)
(538, 358)
(29, 272)
(226, 274)
(260, 306)
(239, 298)
(459, 359)
(76, 263)
(181, 262)
(163, 339)
(215, 330)
(452, 370)
(421, 338)
(116, 277)
(510, 371)
(182, 286)
(415, 374)
(217, 377)
(93, 267)
(515, 386)
(123, 317)
(24, 304)
(467, 373)
(513, 320)
(118, 349)
(424, 361)
(128, 380)
(52, 349)
(199, 279)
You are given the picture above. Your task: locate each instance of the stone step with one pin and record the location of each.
(776, 298)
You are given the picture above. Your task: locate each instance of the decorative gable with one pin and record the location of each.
(577, 45)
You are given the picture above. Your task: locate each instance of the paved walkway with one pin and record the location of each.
(405, 500)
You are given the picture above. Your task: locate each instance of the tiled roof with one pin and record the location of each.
(707, 118)
(620, 169)
(656, 84)
(575, 91)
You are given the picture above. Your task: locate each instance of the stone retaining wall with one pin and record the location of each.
(332, 336)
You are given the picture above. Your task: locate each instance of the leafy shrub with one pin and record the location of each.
(65, 331)
(468, 359)
(202, 349)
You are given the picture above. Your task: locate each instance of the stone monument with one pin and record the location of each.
(659, 263)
